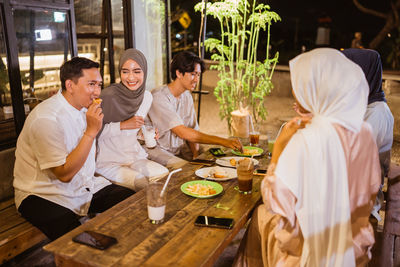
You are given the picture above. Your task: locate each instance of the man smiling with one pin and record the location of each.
(54, 178)
(172, 111)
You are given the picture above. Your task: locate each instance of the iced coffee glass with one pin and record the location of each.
(254, 138)
(245, 169)
(155, 202)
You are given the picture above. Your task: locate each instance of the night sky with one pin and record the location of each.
(346, 19)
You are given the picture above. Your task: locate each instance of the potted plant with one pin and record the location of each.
(244, 79)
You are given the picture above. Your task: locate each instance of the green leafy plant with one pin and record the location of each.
(244, 80)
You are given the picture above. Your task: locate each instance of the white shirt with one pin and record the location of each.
(121, 146)
(381, 119)
(51, 131)
(167, 112)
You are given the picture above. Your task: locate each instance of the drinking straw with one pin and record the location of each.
(166, 182)
(251, 123)
(280, 129)
(251, 160)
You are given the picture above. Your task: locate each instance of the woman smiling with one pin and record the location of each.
(120, 157)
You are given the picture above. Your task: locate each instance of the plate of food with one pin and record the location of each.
(217, 173)
(201, 188)
(231, 161)
(249, 151)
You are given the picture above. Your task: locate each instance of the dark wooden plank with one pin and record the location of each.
(396, 251)
(131, 221)
(200, 246)
(171, 243)
(9, 218)
(166, 232)
(6, 204)
(19, 239)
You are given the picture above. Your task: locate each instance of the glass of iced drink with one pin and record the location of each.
(254, 138)
(155, 202)
(150, 136)
(245, 169)
(271, 144)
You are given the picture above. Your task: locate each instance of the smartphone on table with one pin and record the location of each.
(208, 162)
(95, 240)
(216, 222)
(260, 172)
(217, 152)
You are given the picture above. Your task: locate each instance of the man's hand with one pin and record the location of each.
(94, 120)
(132, 123)
(235, 144)
(77, 158)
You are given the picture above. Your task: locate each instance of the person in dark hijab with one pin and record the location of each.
(378, 113)
(120, 157)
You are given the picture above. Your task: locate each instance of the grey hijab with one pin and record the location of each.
(120, 103)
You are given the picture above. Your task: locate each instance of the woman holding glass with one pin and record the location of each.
(120, 157)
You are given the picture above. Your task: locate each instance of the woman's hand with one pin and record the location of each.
(286, 134)
(133, 123)
(298, 111)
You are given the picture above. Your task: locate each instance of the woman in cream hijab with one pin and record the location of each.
(324, 173)
(120, 157)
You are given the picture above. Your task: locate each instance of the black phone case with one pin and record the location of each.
(263, 172)
(213, 225)
(98, 240)
(202, 161)
(217, 152)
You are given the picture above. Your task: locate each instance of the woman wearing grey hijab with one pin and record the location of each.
(120, 157)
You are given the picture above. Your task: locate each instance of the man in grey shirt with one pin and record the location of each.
(172, 111)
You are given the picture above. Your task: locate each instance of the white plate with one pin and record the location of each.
(225, 161)
(205, 173)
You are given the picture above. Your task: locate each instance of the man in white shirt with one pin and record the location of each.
(172, 111)
(54, 178)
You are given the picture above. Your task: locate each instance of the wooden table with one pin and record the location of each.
(176, 242)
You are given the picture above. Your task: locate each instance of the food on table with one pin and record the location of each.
(232, 161)
(97, 101)
(250, 151)
(218, 172)
(201, 189)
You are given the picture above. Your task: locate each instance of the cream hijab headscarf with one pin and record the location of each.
(312, 165)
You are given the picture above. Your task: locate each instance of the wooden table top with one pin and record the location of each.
(176, 242)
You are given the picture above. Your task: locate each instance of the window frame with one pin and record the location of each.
(6, 9)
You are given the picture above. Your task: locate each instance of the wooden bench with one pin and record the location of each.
(16, 234)
(391, 232)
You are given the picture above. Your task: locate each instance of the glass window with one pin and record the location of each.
(90, 48)
(117, 16)
(150, 38)
(7, 127)
(43, 45)
(88, 15)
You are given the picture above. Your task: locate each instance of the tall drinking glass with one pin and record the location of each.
(254, 138)
(156, 203)
(245, 169)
